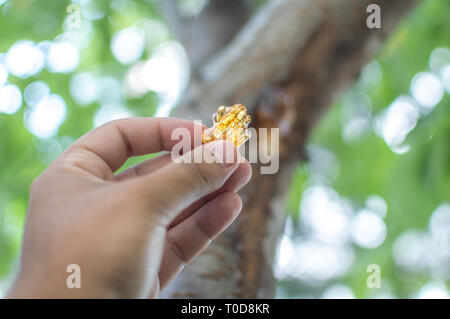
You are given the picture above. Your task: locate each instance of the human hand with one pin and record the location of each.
(131, 232)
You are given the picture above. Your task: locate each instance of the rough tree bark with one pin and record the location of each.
(287, 64)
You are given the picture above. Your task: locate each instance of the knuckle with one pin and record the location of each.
(112, 123)
(115, 123)
(176, 249)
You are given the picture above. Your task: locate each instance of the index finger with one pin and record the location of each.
(118, 140)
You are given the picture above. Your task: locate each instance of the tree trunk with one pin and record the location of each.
(287, 64)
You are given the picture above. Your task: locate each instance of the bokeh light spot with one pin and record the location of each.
(285, 252)
(62, 57)
(433, 290)
(397, 121)
(439, 226)
(110, 90)
(110, 112)
(427, 89)
(325, 214)
(368, 229)
(377, 204)
(10, 99)
(167, 73)
(445, 74)
(24, 59)
(127, 45)
(3, 74)
(410, 250)
(338, 291)
(439, 58)
(44, 119)
(315, 261)
(36, 92)
(84, 88)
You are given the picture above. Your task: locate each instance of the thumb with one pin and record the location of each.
(190, 177)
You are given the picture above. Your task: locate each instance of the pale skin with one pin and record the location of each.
(131, 232)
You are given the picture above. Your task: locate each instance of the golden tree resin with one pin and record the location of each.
(230, 123)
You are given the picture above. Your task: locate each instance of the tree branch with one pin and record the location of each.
(332, 43)
(172, 15)
(259, 54)
(209, 32)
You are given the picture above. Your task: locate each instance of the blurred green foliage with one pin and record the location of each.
(24, 156)
(413, 184)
